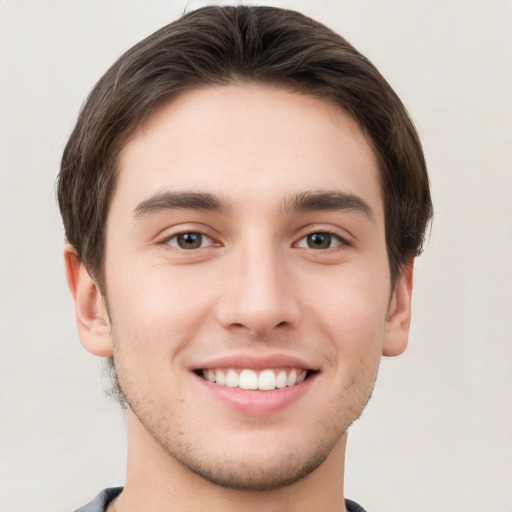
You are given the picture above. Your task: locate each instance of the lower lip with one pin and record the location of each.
(258, 403)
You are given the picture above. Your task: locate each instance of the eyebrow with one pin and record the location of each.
(164, 201)
(328, 201)
(301, 202)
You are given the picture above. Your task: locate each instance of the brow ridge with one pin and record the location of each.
(168, 200)
(302, 202)
(328, 201)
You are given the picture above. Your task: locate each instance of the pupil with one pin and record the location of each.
(190, 240)
(319, 241)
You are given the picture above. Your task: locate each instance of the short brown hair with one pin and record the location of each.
(225, 45)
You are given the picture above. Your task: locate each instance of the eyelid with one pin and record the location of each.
(343, 240)
(206, 240)
(181, 230)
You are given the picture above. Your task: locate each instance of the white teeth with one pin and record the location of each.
(291, 380)
(232, 379)
(281, 379)
(220, 377)
(248, 380)
(266, 380)
(301, 377)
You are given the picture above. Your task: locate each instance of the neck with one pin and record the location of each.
(156, 482)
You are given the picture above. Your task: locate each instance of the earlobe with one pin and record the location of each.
(399, 315)
(91, 314)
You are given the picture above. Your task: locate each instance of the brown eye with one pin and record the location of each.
(190, 240)
(319, 241)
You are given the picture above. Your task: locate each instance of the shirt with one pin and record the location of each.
(100, 503)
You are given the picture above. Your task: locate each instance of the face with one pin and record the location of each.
(247, 283)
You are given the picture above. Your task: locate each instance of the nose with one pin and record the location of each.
(259, 293)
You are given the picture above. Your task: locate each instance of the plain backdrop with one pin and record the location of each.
(437, 434)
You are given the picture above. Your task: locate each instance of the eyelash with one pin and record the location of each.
(331, 234)
(176, 236)
(334, 237)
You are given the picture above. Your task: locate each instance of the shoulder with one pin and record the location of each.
(352, 506)
(100, 503)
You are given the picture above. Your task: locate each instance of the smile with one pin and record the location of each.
(264, 380)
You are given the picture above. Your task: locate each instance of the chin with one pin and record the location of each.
(250, 462)
(255, 476)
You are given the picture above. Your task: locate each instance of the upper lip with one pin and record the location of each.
(247, 361)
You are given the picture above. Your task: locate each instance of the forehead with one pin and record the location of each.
(244, 141)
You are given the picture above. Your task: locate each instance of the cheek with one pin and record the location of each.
(352, 316)
(156, 309)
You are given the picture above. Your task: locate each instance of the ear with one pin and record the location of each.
(91, 314)
(399, 314)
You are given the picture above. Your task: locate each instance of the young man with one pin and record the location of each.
(243, 197)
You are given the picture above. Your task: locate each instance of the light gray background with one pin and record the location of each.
(438, 432)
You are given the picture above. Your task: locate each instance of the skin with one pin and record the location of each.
(256, 286)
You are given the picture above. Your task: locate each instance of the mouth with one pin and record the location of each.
(263, 380)
(257, 386)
